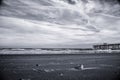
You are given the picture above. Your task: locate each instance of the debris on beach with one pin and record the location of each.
(37, 65)
(46, 70)
(61, 74)
(38, 70)
(34, 69)
(49, 70)
(24, 79)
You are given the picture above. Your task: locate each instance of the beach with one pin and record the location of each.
(60, 66)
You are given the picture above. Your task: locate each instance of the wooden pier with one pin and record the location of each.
(106, 46)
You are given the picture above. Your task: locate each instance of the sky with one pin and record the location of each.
(59, 23)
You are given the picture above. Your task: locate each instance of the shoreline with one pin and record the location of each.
(59, 54)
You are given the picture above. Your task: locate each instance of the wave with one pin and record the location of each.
(18, 49)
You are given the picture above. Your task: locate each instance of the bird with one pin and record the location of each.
(81, 67)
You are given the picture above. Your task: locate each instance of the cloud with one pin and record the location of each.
(58, 23)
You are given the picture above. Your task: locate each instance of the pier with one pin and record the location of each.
(106, 46)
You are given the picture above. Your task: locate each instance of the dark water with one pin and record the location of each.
(60, 67)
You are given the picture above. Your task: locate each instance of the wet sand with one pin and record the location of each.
(60, 67)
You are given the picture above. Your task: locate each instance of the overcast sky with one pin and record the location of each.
(59, 23)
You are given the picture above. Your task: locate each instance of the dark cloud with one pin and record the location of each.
(110, 1)
(71, 2)
(1, 2)
(118, 1)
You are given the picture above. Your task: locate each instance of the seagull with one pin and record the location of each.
(81, 67)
